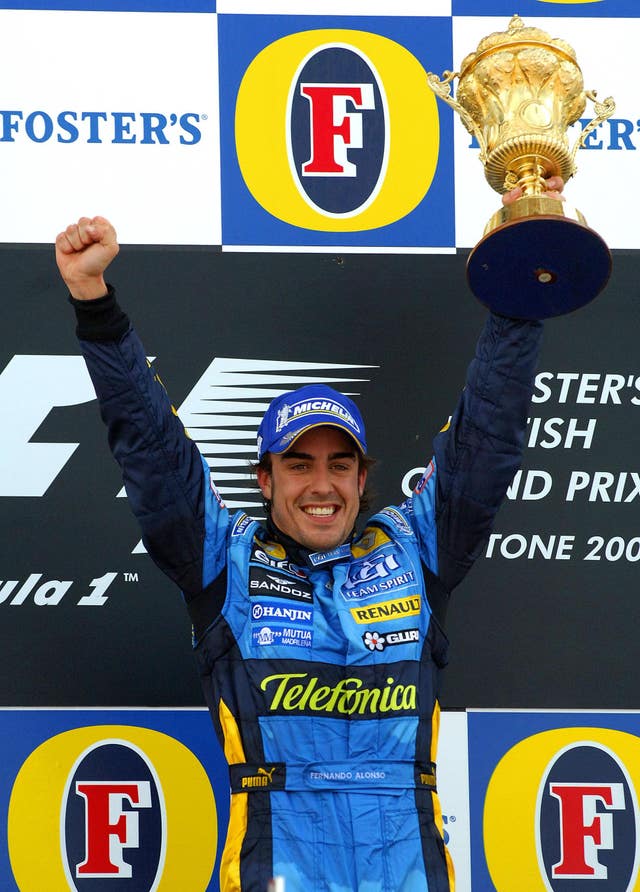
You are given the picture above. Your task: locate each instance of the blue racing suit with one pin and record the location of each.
(321, 670)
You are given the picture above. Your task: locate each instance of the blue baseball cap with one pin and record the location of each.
(292, 414)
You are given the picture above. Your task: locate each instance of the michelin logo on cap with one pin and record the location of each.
(306, 407)
(294, 412)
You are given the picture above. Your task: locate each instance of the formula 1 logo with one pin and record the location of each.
(231, 396)
(561, 809)
(111, 802)
(335, 132)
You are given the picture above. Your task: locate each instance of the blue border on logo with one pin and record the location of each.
(22, 731)
(244, 221)
(491, 735)
(590, 9)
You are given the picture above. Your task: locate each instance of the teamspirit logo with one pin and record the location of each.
(376, 641)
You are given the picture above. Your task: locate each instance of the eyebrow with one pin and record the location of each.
(308, 457)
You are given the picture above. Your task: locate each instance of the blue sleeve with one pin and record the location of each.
(167, 481)
(479, 451)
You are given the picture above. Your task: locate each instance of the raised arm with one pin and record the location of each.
(166, 479)
(481, 450)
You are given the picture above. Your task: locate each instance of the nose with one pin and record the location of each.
(320, 483)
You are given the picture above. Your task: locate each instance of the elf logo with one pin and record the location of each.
(587, 820)
(114, 819)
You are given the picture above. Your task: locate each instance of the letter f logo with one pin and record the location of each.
(109, 827)
(583, 829)
(333, 128)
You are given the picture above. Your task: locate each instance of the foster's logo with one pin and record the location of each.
(561, 813)
(352, 131)
(111, 806)
(338, 130)
(113, 828)
(587, 819)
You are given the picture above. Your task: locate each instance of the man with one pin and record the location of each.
(319, 648)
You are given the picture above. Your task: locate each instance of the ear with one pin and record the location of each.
(264, 482)
(362, 479)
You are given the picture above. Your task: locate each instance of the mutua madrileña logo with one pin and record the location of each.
(587, 822)
(113, 822)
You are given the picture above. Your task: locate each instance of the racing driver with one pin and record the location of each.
(319, 648)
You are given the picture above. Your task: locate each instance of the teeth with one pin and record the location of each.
(320, 512)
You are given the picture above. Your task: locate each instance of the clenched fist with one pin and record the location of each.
(83, 252)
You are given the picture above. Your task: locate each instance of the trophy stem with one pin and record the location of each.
(530, 172)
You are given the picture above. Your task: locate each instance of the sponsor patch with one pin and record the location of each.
(398, 519)
(371, 538)
(425, 478)
(273, 549)
(241, 524)
(375, 641)
(275, 584)
(282, 636)
(265, 558)
(318, 558)
(274, 612)
(375, 575)
(387, 610)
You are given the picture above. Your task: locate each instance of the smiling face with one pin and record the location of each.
(315, 488)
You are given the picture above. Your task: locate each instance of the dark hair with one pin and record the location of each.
(365, 462)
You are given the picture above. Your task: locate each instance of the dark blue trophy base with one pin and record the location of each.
(538, 267)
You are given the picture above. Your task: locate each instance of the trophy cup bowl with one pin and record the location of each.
(517, 94)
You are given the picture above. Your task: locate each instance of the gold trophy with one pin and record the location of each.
(517, 94)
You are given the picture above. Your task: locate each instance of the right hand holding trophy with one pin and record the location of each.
(518, 94)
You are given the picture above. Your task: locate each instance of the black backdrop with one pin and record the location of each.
(525, 632)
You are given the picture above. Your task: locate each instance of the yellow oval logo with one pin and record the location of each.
(336, 130)
(63, 792)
